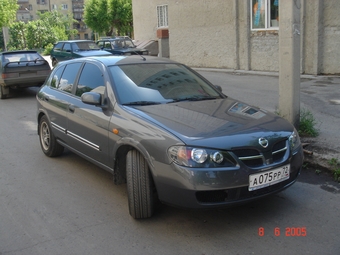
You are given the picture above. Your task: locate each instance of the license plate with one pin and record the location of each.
(265, 179)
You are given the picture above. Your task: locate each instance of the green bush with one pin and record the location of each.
(48, 48)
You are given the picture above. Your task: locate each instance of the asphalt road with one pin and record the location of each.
(66, 205)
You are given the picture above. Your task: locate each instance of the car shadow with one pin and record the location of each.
(23, 93)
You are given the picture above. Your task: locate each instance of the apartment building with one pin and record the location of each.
(240, 34)
(28, 11)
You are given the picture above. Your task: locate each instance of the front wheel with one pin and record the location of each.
(140, 186)
(54, 62)
(48, 143)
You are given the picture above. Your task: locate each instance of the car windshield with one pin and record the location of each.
(143, 84)
(85, 46)
(123, 43)
(22, 56)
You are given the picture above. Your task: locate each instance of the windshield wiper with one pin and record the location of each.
(142, 103)
(193, 98)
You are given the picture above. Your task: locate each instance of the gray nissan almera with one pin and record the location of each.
(167, 132)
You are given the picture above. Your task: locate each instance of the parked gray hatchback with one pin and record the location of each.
(21, 69)
(167, 132)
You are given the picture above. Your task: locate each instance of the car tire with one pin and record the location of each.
(140, 186)
(54, 62)
(48, 143)
(2, 93)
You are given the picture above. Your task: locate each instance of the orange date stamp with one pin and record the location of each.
(289, 231)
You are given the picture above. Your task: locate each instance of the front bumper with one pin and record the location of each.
(199, 188)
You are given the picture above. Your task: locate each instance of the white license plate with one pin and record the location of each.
(265, 179)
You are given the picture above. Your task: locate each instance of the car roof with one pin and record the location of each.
(18, 52)
(123, 60)
(115, 38)
(71, 41)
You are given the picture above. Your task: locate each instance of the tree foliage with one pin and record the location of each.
(8, 10)
(109, 17)
(17, 34)
(48, 29)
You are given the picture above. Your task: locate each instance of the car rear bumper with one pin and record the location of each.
(22, 82)
(194, 188)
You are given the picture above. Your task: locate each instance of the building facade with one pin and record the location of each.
(240, 34)
(28, 11)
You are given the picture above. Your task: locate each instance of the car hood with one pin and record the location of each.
(223, 123)
(88, 53)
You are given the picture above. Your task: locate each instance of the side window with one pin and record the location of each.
(91, 79)
(56, 77)
(101, 44)
(107, 45)
(58, 46)
(68, 77)
(67, 47)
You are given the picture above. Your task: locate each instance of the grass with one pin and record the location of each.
(308, 124)
(335, 164)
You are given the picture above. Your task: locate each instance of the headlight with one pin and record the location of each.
(294, 141)
(200, 157)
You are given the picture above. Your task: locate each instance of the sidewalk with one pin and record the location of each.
(319, 94)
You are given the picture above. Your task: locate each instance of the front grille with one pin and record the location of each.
(255, 158)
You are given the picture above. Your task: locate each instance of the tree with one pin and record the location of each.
(96, 16)
(58, 24)
(8, 11)
(48, 29)
(121, 11)
(17, 33)
(109, 16)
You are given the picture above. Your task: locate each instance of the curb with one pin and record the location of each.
(263, 73)
(319, 157)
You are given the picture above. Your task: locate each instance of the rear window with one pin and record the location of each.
(21, 57)
(85, 46)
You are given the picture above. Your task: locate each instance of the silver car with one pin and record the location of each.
(167, 132)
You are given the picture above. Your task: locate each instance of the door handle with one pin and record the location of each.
(71, 108)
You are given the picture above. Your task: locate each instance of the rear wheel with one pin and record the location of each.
(3, 95)
(140, 186)
(49, 144)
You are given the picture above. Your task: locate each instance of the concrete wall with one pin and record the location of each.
(145, 19)
(216, 33)
(330, 47)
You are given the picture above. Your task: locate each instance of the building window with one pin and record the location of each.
(162, 15)
(64, 6)
(264, 14)
(54, 7)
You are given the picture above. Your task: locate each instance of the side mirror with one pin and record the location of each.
(219, 88)
(91, 98)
